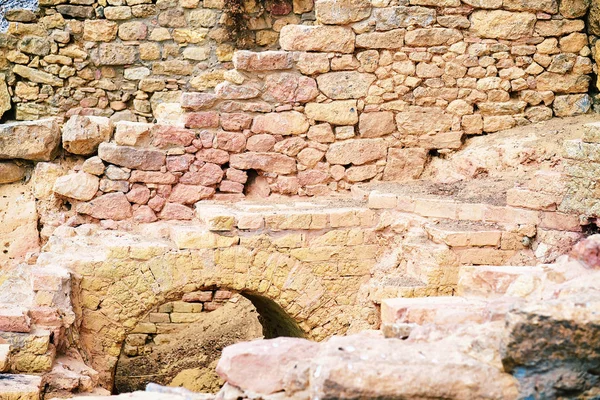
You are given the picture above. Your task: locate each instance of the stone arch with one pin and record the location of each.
(111, 295)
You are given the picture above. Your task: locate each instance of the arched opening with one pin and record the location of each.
(179, 343)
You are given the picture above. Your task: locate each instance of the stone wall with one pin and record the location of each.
(367, 91)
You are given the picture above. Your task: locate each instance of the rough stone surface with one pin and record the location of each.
(35, 140)
(83, 134)
(317, 38)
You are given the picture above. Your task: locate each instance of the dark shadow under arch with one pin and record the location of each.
(274, 320)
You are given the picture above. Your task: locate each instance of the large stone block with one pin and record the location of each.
(571, 105)
(283, 123)
(130, 157)
(345, 84)
(83, 134)
(10, 172)
(500, 24)
(376, 124)
(423, 120)
(37, 76)
(426, 37)
(356, 151)
(268, 162)
(31, 140)
(264, 61)
(336, 39)
(548, 6)
(342, 12)
(109, 206)
(114, 54)
(559, 27)
(289, 88)
(393, 39)
(337, 112)
(79, 186)
(563, 83)
(402, 17)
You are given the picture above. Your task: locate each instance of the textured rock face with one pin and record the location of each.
(381, 367)
(82, 135)
(37, 140)
(4, 97)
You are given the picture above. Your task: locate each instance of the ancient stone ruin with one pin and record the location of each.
(299, 199)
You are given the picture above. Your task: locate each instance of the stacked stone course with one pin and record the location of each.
(360, 91)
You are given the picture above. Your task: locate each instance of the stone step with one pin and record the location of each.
(443, 310)
(284, 215)
(14, 319)
(20, 387)
(496, 281)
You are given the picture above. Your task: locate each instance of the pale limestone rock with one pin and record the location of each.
(425, 37)
(548, 6)
(79, 186)
(100, 30)
(356, 151)
(83, 134)
(563, 83)
(268, 162)
(361, 173)
(393, 39)
(405, 164)
(499, 24)
(18, 223)
(336, 12)
(37, 76)
(30, 140)
(574, 8)
(283, 123)
(317, 38)
(423, 120)
(343, 112)
(376, 124)
(345, 85)
(10, 172)
(571, 105)
(402, 17)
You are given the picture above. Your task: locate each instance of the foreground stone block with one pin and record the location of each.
(267, 363)
(30, 140)
(336, 39)
(563, 83)
(571, 105)
(405, 372)
(83, 134)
